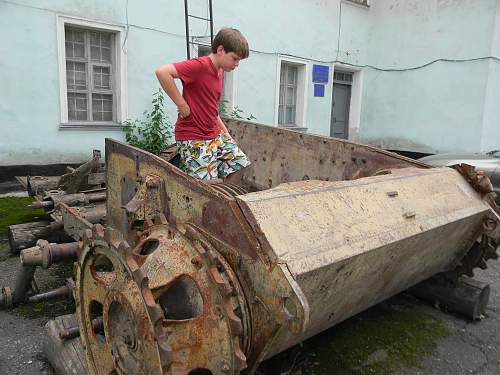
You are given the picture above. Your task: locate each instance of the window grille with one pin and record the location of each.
(343, 77)
(288, 94)
(204, 50)
(90, 75)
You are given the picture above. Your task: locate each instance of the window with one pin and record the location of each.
(288, 94)
(204, 50)
(291, 93)
(89, 75)
(92, 71)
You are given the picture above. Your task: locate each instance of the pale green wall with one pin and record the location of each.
(29, 98)
(491, 124)
(443, 107)
(438, 108)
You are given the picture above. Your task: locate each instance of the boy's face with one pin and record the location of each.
(228, 61)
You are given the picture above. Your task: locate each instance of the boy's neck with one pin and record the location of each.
(215, 61)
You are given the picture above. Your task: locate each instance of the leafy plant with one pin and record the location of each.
(153, 132)
(235, 112)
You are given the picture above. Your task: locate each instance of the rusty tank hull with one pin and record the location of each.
(195, 278)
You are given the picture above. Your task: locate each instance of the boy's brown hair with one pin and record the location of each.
(232, 40)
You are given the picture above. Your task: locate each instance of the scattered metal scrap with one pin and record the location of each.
(42, 244)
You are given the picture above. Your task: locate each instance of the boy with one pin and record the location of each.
(206, 149)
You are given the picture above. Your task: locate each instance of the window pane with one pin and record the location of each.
(292, 75)
(76, 76)
(290, 115)
(101, 77)
(100, 46)
(290, 96)
(77, 106)
(102, 107)
(106, 54)
(95, 53)
(282, 95)
(287, 94)
(75, 43)
(94, 38)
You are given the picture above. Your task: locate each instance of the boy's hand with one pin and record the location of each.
(184, 110)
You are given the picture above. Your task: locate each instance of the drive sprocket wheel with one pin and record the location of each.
(171, 305)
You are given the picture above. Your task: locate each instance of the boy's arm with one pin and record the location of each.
(166, 74)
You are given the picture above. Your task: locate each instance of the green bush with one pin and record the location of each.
(235, 113)
(153, 132)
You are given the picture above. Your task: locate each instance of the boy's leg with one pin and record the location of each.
(232, 160)
(198, 159)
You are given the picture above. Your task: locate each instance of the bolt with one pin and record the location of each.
(196, 260)
(225, 367)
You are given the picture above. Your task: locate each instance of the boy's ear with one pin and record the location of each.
(220, 49)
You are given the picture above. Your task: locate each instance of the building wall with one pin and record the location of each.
(438, 108)
(491, 121)
(442, 107)
(29, 76)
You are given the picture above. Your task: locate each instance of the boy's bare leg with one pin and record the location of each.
(234, 178)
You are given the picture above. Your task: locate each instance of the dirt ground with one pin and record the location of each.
(400, 336)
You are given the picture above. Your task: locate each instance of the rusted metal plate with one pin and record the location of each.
(182, 198)
(280, 155)
(349, 245)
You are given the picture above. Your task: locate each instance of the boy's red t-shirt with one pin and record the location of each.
(202, 89)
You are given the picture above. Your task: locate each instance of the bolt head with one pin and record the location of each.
(225, 367)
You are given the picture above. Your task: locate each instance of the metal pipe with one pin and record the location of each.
(468, 297)
(211, 21)
(9, 298)
(186, 17)
(23, 284)
(72, 332)
(65, 291)
(55, 253)
(46, 254)
(31, 256)
(69, 199)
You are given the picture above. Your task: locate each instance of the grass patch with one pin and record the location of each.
(379, 341)
(14, 210)
(48, 309)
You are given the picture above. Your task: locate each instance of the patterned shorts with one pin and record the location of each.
(212, 158)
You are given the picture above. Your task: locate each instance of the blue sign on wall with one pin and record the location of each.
(319, 90)
(321, 73)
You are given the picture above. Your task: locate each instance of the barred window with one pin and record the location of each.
(90, 75)
(288, 94)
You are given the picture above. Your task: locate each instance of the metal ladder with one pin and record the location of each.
(187, 16)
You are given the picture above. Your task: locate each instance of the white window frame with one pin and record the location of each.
(302, 90)
(120, 72)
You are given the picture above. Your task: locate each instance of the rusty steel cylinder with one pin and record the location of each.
(76, 199)
(65, 291)
(72, 332)
(23, 284)
(46, 254)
